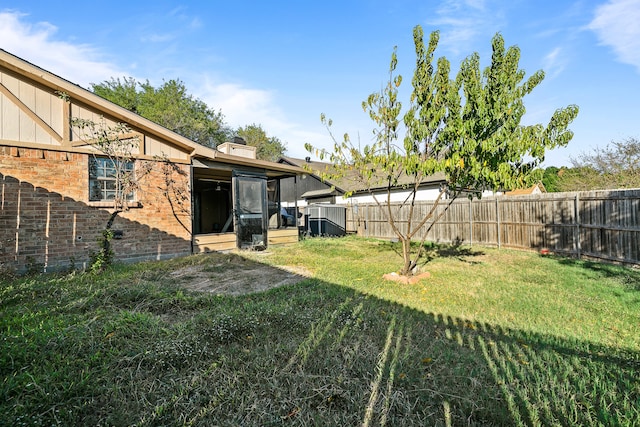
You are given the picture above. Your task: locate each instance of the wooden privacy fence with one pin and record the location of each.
(601, 224)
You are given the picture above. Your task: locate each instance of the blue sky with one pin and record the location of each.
(281, 64)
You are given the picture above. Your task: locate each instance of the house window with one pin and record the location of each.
(109, 177)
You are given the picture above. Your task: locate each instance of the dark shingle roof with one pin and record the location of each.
(350, 182)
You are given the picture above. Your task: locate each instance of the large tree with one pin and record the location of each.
(615, 166)
(468, 128)
(268, 147)
(169, 105)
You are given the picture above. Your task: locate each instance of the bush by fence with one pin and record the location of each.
(601, 224)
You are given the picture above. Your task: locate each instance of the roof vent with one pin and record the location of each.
(307, 159)
(239, 140)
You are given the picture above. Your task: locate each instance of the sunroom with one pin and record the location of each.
(236, 201)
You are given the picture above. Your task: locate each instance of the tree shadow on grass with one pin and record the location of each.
(314, 353)
(548, 380)
(432, 250)
(628, 277)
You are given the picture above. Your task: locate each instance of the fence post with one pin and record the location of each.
(498, 221)
(471, 220)
(576, 215)
(367, 225)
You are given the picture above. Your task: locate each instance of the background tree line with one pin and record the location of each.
(615, 166)
(170, 105)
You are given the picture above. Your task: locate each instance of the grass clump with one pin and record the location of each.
(492, 338)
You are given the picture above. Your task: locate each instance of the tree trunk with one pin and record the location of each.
(407, 269)
(104, 256)
(106, 240)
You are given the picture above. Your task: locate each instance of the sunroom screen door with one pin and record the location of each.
(251, 216)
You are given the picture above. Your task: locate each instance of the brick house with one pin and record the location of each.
(55, 188)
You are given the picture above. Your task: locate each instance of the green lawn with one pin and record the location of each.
(491, 338)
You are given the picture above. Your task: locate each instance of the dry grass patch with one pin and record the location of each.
(232, 274)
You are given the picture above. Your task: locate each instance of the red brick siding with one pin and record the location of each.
(46, 219)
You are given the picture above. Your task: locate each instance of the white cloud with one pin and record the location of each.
(476, 4)
(195, 23)
(462, 21)
(616, 25)
(180, 13)
(554, 63)
(78, 63)
(243, 106)
(158, 38)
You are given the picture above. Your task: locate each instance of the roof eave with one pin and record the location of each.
(245, 161)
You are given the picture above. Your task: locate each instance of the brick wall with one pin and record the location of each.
(46, 220)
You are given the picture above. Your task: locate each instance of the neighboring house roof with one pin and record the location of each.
(534, 189)
(350, 182)
(80, 95)
(314, 194)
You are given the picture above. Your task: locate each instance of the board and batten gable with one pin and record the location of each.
(30, 114)
(36, 111)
